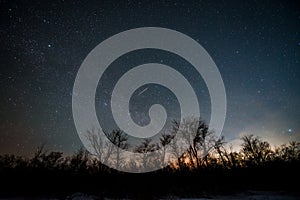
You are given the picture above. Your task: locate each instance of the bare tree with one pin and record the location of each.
(176, 146)
(288, 152)
(165, 139)
(119, 139)
(228, 158)
(221, 151)
(200, 141)
(79, 160)
(102, 147)
(255, 150)
(146, 150)
(109, 149)
(39, 155)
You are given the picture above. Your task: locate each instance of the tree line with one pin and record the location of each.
(203, 149)
(207, 162)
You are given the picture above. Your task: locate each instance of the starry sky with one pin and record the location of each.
(255, 44)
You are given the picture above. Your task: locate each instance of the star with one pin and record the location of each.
(42, 51)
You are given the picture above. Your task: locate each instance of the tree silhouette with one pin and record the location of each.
(199, 140)
(176, 147)
(38, 158)
(145, 149)
(255, 150)
(221, 151)
(79, 161)
(109, 149)
(119, 139)
(255, 166)
(101, 147)
(288, 153)
(165, 139)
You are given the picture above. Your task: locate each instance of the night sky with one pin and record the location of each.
(255, 44)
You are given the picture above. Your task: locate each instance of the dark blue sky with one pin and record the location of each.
(255, 44)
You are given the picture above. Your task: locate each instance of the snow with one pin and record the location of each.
(248, 195)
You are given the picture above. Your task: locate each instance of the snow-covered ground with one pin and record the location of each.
(248, 195)
(253, 195)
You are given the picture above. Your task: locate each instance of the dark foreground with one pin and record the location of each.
(255, 172)
(209, 183)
